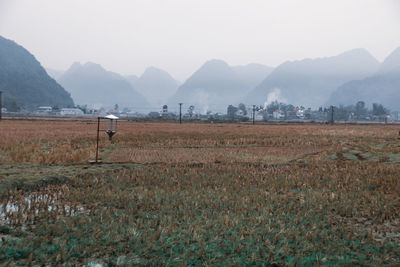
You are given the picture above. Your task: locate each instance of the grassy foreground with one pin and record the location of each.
(195, 194)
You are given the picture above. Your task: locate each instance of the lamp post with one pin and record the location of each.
(111, 130)
(111, 125)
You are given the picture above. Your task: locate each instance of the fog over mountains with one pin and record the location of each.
(216, 85)
(391, 64)
(310, 82)
(53, 73)
(252, 74)
(91, 84)
(25, 83)
(155, 84)
(380, 87)
(349, 77)
(131, 78)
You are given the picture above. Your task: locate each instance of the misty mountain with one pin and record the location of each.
(383, 87)
(252, 74)
(156, 85)
(216, 85)
(212, 87)
(91, 84)
(310, 82)
(131, 79)
(25, 83)
(53, 73)
(391, 64)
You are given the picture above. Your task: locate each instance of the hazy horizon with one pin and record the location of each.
(179, 36)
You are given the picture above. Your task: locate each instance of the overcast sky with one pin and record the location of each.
(180, 35)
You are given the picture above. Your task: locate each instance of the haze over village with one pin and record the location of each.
(290, 72)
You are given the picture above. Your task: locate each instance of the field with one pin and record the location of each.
(199, 194)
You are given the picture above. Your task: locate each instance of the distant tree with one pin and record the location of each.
(290, 107)
(231, 111)
(116, 107)
(272, 107)
(191, 111)
(360, 110)
(378, 110)
(83, 108)
(242, 107)
(154, 114)
(342, 112)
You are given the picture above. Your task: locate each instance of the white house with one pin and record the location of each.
(71, 112)
(278, 114)
(259, 116)
(300, 113)
(44, 109)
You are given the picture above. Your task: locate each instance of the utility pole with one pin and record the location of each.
(180, 113)
(1, 104)
(97, 139)
(254, 114)
(332, 121)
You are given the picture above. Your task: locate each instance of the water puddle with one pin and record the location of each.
(26, 209)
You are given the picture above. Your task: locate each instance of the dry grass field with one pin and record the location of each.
(199, 194)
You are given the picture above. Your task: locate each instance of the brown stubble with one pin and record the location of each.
(263, 192)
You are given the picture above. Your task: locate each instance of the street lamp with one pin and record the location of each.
(111, 130)
(111, 125)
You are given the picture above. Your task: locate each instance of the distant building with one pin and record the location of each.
(300, 114)
(239, 113)
(44, 109)
(278, 114)
(165, 109)
(71, 112)
(259, 116)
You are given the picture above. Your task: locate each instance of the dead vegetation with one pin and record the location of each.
(199, 194)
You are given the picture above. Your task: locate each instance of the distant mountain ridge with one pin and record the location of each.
(252, 74)
(343, 79)
(391, 64)
(53, 73)
(91, 84)
(25, 83)
(215, 85)
(382, 87)
(155, 84)
(131, 78)
(310, 82)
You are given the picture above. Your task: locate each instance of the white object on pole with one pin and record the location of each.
(111, 117)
